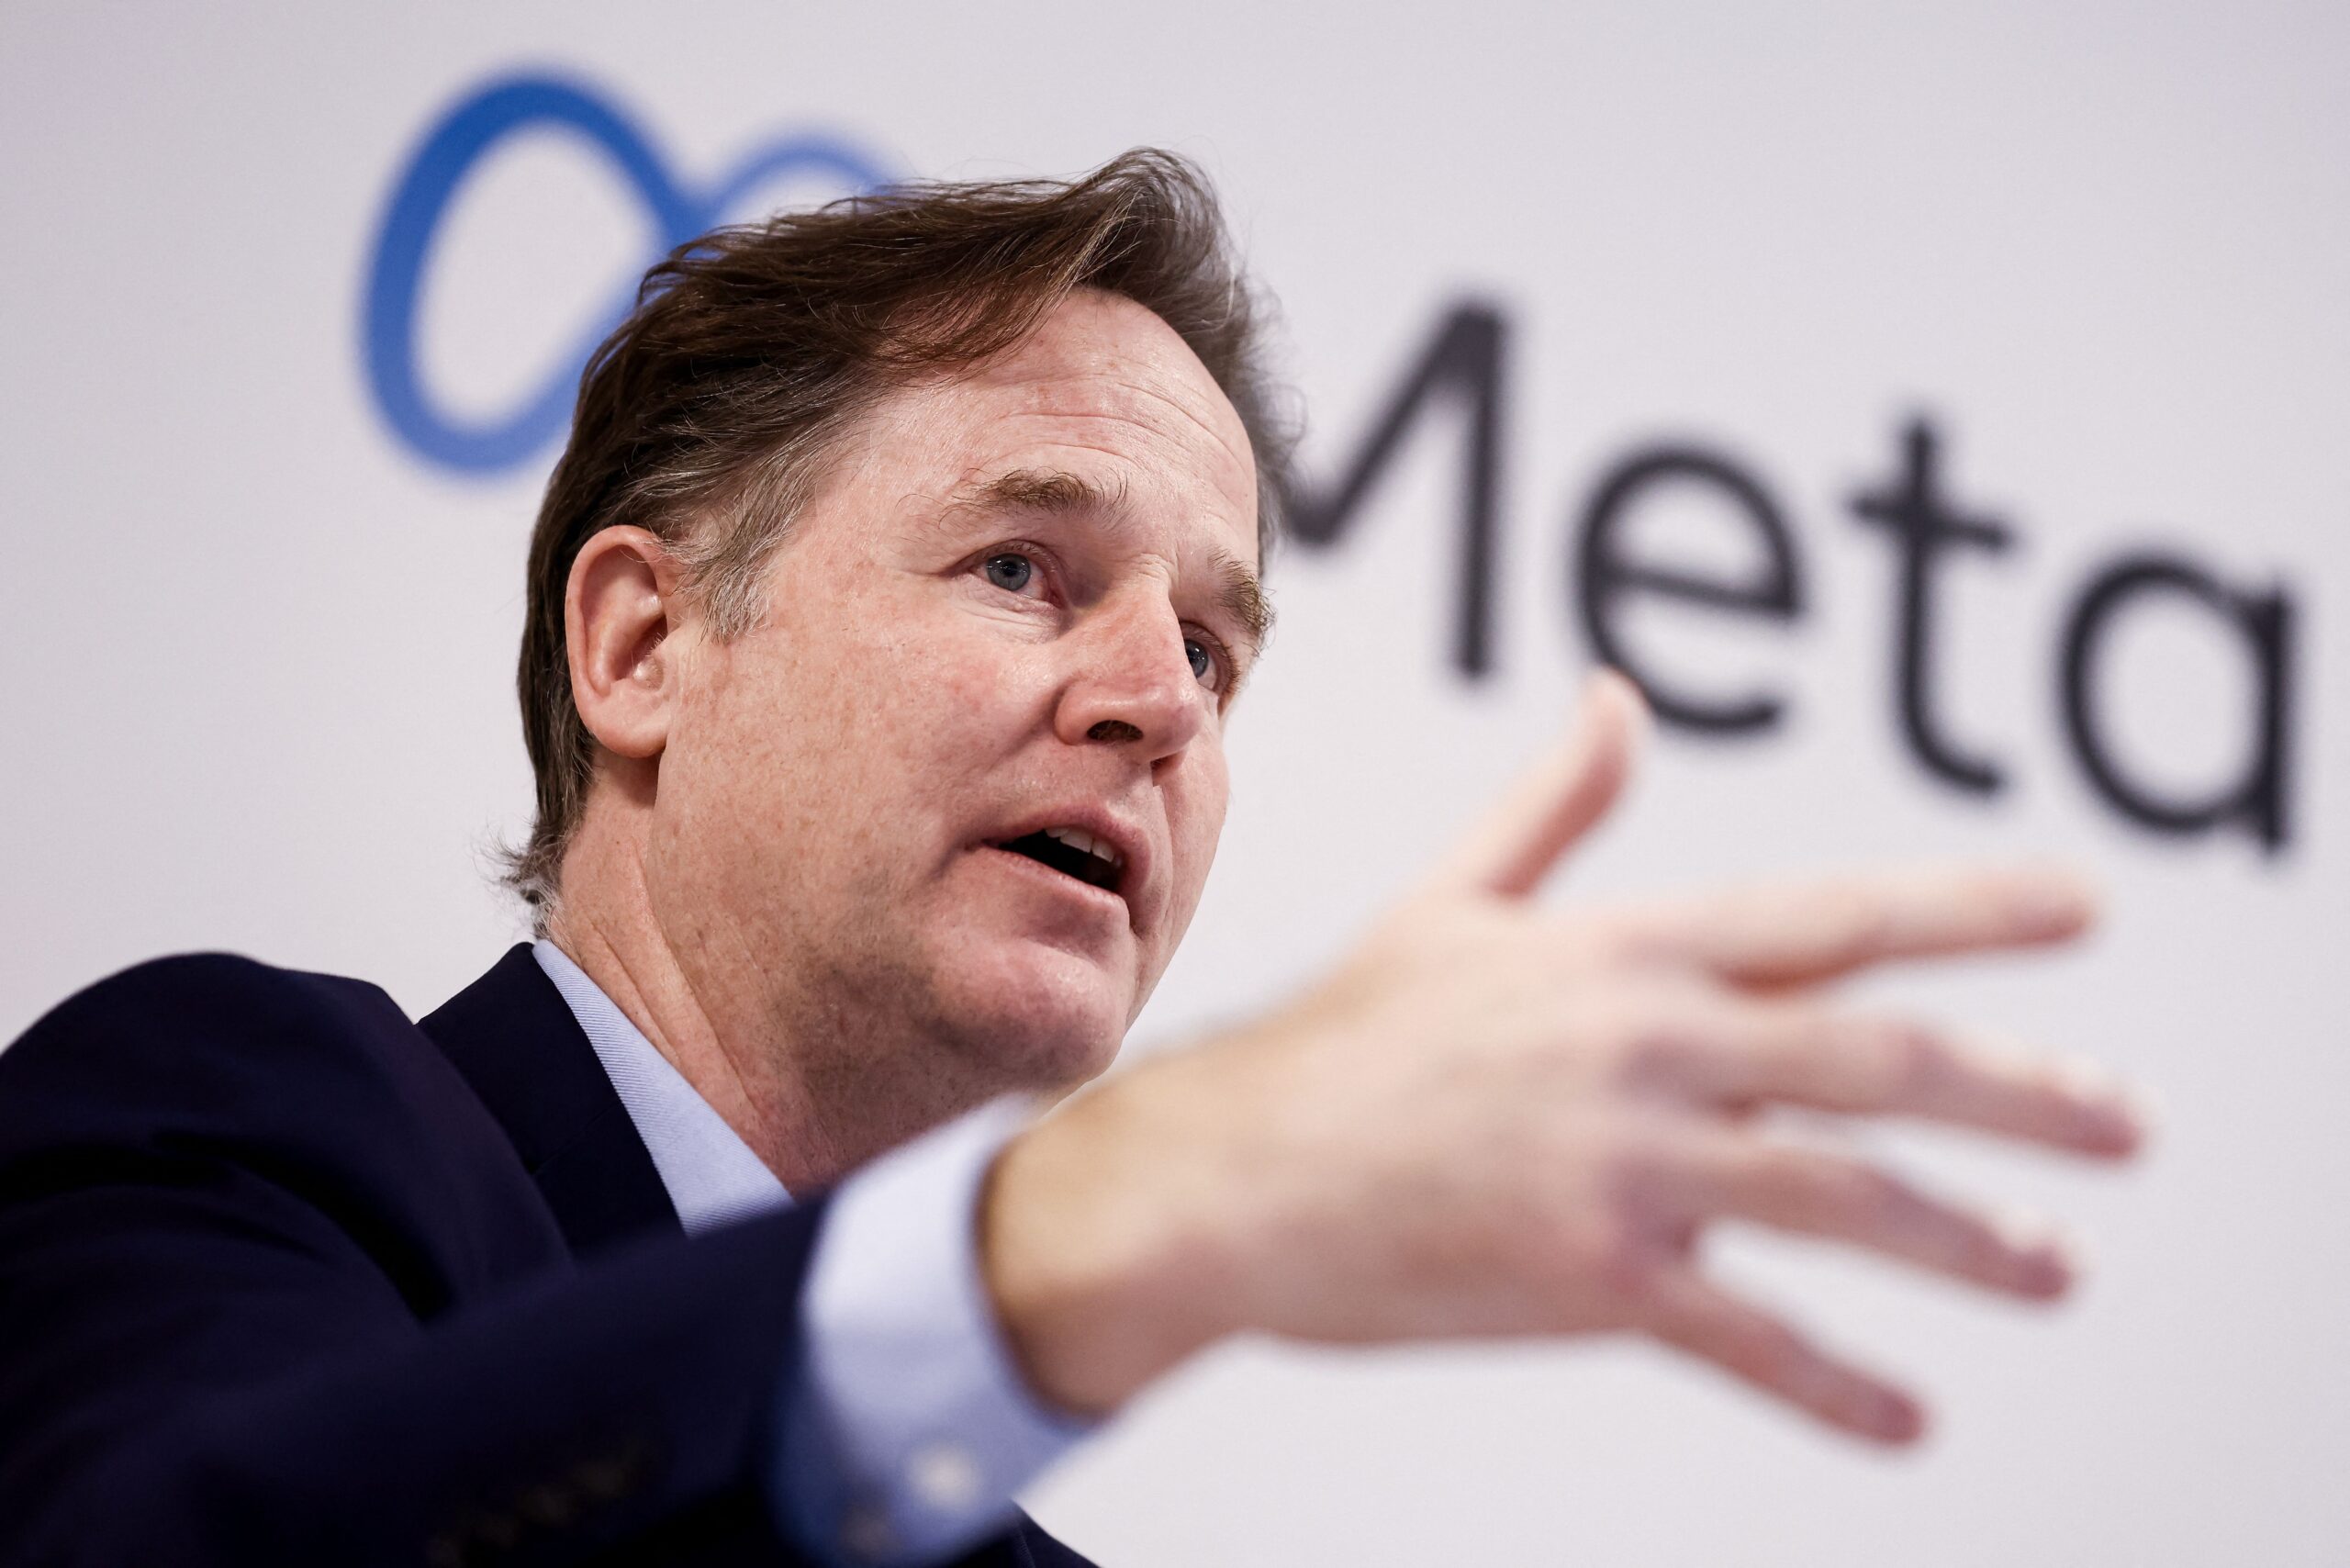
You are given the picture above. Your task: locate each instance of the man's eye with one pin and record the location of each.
(1203, 665)
(1011, 573)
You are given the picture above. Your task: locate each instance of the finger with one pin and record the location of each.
(1735, 1054)
(1693, 1315)
(1810, 1191)
(1802, 934)
(1558, 801)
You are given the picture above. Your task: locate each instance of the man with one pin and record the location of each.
(885, 613)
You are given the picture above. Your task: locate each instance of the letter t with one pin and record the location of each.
(1923, 526)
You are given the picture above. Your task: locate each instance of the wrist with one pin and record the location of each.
(1099, 1250)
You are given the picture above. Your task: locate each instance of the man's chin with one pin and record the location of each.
(1037, 1015)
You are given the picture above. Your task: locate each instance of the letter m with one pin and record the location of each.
(1460, 368)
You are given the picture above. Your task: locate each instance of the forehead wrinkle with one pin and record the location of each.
(1171, 413)
(1205, 425)
(1149, 362)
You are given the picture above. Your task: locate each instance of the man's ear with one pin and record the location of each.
(618, 610)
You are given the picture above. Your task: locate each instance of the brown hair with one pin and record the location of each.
(708, 416)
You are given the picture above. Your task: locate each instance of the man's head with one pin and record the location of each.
(887, 605)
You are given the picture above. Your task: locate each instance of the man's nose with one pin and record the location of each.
(1132, 684)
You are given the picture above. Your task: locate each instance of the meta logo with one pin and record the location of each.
(1461, 378)
(1462, 375)
(472, 129)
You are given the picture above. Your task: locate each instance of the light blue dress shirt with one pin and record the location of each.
(912, 1428)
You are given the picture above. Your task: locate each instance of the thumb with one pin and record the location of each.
(1554, 804)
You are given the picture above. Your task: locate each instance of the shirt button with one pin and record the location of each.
(944, 1476)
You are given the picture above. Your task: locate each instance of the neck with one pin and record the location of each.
(814, 1086)
(711, 1021)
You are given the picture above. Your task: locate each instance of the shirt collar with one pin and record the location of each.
(711, 1175)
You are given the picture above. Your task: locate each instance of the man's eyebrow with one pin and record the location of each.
(1239, 593)
(1041, 489)
(1242, 597)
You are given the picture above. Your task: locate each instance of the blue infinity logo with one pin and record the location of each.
(470, 130)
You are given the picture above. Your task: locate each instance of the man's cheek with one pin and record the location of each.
(1198, 827)
(974, 687)
(1194, 851)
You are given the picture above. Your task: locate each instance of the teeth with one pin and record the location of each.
(1078, 838)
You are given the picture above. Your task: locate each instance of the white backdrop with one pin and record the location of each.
(260, 693)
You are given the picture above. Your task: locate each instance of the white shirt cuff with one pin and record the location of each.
(920, 1427)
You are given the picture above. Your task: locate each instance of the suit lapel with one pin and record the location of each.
(513, 1037)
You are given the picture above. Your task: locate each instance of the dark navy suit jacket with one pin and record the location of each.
(285, 1278)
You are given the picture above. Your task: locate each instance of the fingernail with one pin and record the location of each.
(2047, 1258)
(1895, 1417)
(2054, 900)
(2050, 1270)
(2121, 1114)
(2082, 1076)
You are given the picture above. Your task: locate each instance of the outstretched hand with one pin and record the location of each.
(1497, 1119)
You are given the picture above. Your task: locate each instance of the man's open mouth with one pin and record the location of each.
(1073, 852)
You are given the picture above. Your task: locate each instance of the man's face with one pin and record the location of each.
(962, 787)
